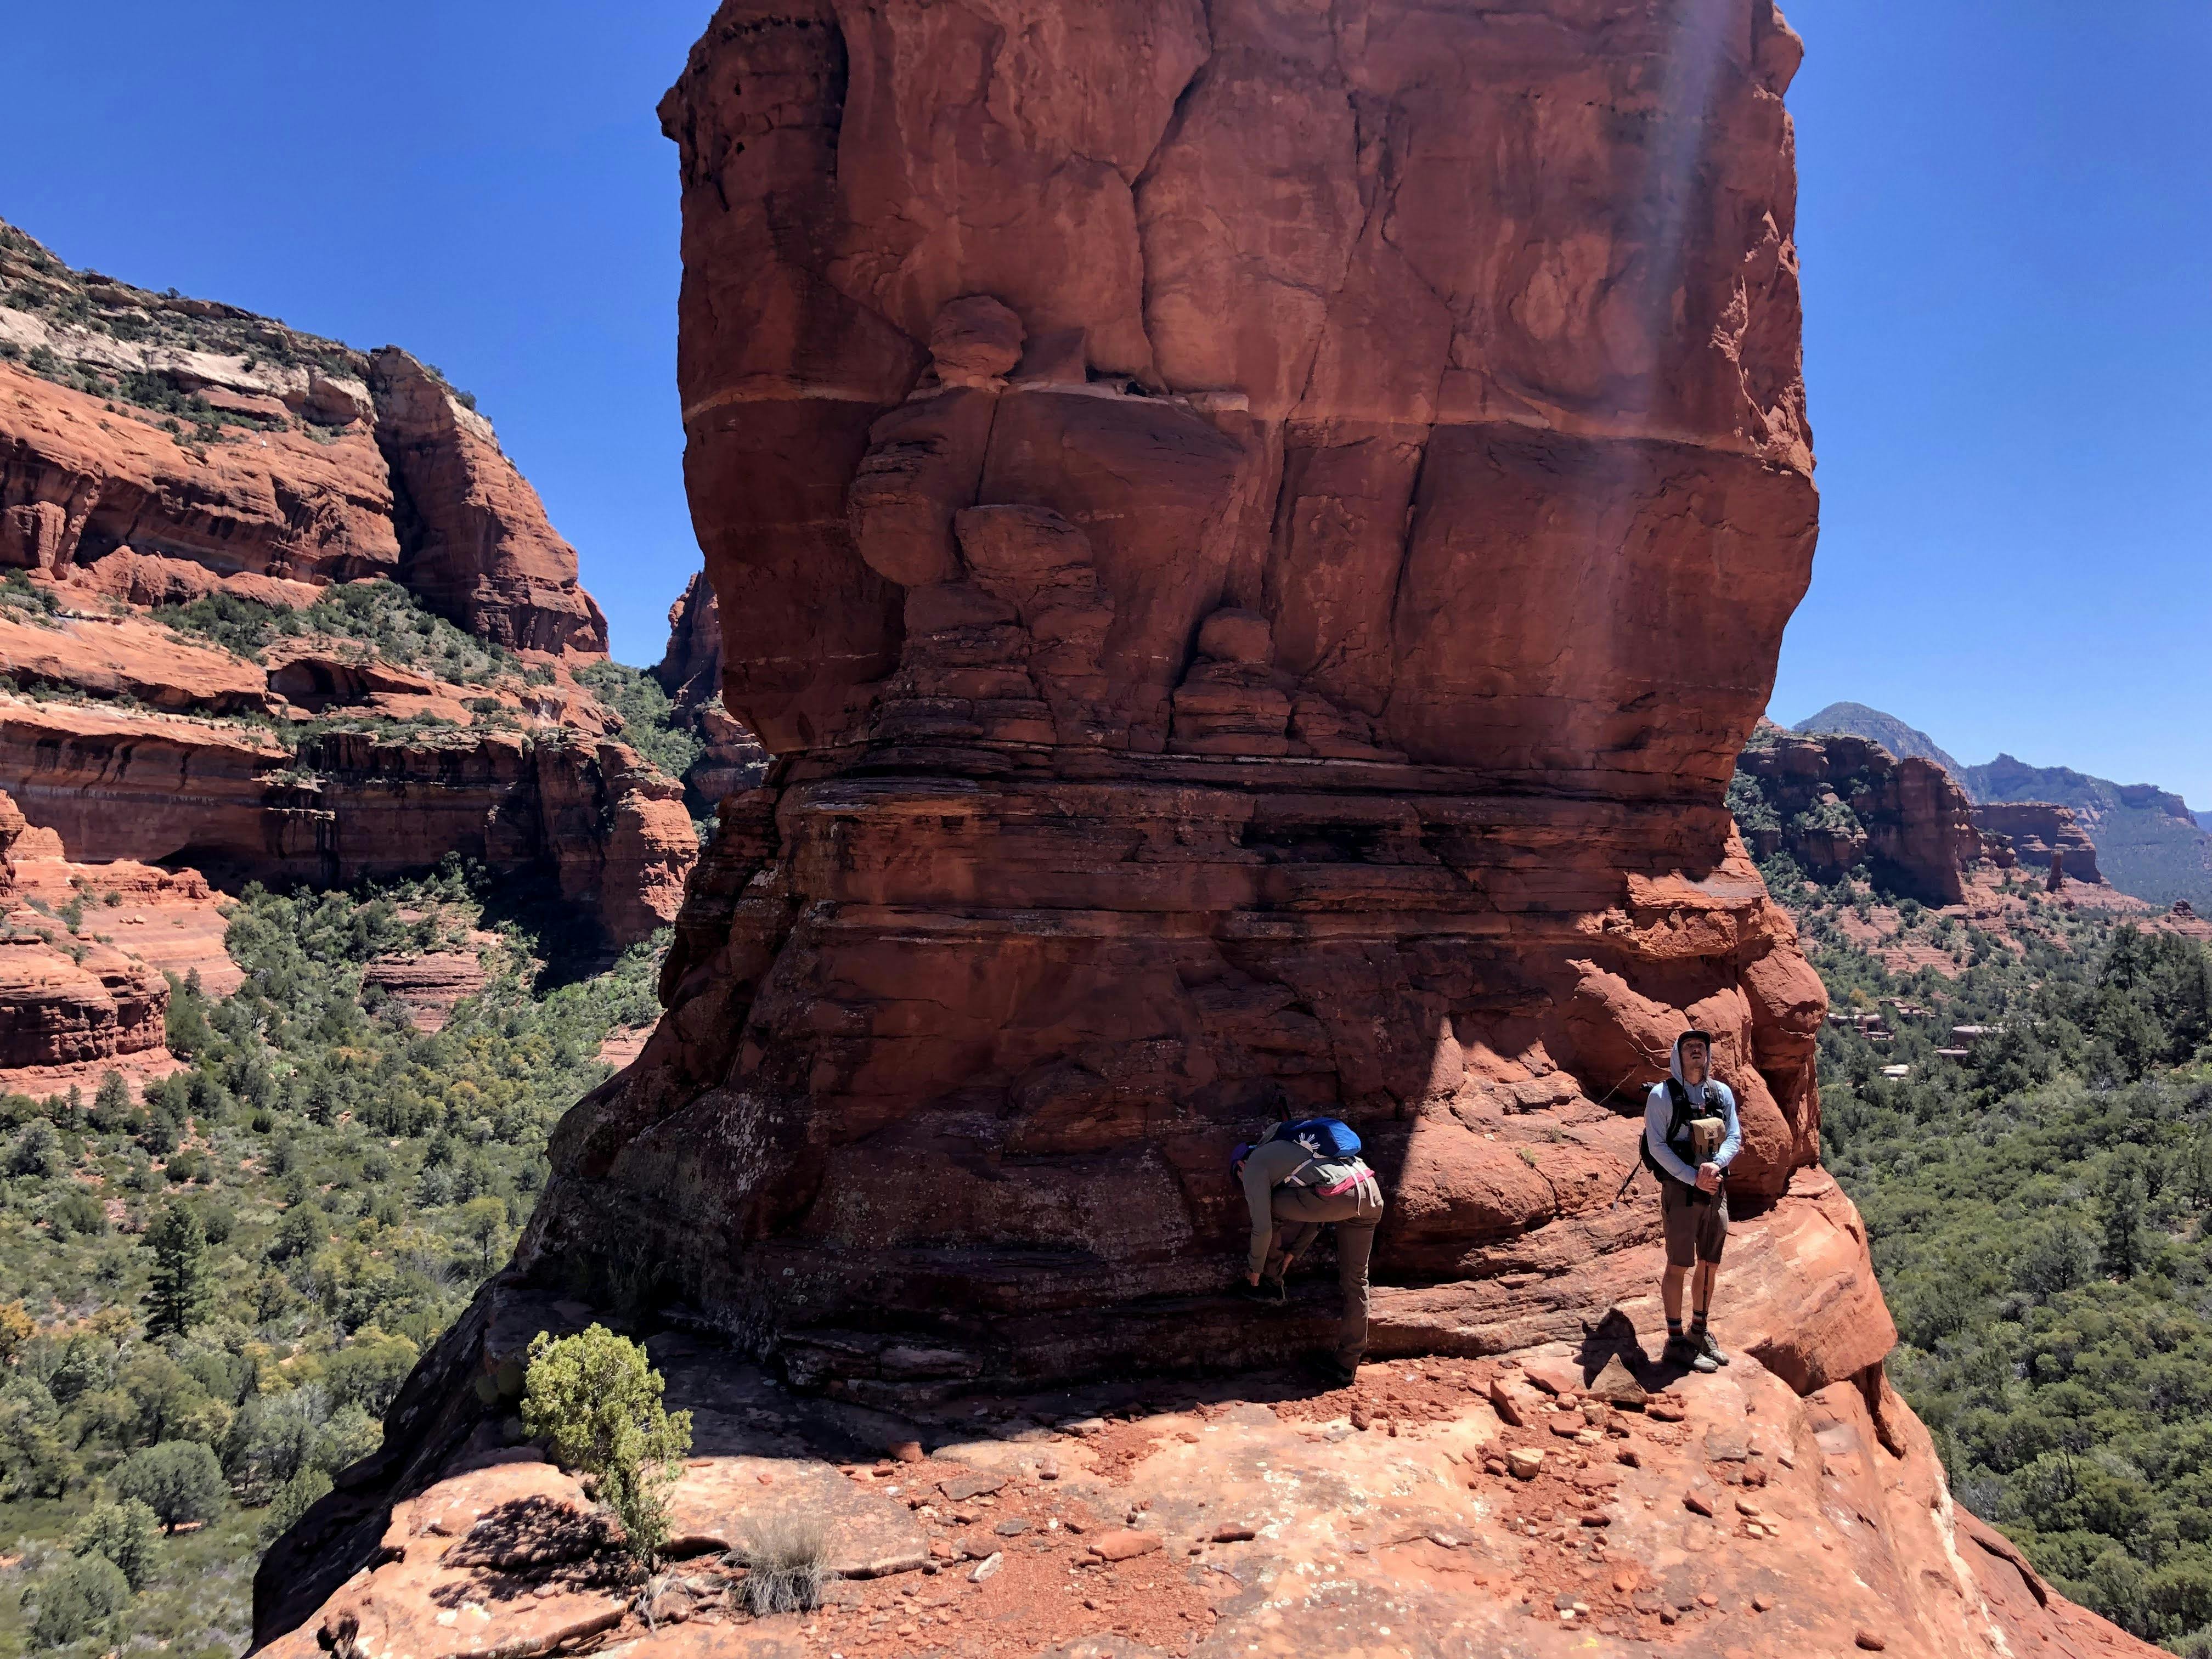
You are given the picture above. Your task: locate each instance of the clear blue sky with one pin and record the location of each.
(2006, 227)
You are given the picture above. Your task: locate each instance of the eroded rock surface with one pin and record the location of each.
(1572, 1498)
(159, 452)
(1255, 535)
(357, 465)
(1837, 802)
(2042, 832)
(1265, 627)
(731, 757)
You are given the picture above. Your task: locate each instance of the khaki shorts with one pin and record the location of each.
(1695, 1232)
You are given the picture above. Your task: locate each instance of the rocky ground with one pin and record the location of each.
(1561, 1499)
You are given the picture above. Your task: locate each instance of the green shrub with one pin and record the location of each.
(178, 1479)
(596, 1402)
(76, 1600)
(125, 1533)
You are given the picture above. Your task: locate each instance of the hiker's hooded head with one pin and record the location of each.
(1693, 1061)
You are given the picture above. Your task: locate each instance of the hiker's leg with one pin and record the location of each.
(1677, 1226)
(1701, 1290)
(1355, 1246)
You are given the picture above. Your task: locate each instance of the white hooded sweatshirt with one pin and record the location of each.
(1659, 1117)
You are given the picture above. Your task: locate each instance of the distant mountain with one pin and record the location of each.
(1856, 720)
(2148, 842)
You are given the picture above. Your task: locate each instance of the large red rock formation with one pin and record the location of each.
(156, 450)
(1255, 534)
(1183, 723)
(1835, 803)
(731, 757)
(64, 1001)
(227, 798)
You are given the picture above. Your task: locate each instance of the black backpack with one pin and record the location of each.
(1678, 1098)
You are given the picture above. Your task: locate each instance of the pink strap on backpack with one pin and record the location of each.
(1359, 1172)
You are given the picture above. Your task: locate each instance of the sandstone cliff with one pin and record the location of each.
(2041, 831)
(1254, 534)
(1835, 803)
(72, 1002)
(158, 452)
(198, 443)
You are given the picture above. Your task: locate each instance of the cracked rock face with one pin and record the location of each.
(1255, 537)
(1254, 534)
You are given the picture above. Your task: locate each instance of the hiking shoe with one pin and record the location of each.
(1703, 1343)
(1269, 1292)
(1680, 1351)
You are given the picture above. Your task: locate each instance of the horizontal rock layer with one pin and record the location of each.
(115, 783)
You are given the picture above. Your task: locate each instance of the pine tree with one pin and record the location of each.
(184, 1282)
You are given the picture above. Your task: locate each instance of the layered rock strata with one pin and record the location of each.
(66, 1001)
(158, 452)
(156, 448)
(1836, 803)
(2044, 833)
(1265, 627)
(118, 783)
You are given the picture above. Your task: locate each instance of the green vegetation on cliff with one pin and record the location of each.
(207, 1298)
(2039, 1210)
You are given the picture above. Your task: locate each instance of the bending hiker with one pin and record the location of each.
(1305, 1175)
(1690, 1135)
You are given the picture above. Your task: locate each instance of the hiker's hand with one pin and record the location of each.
(1253, 1279)
(1708, 1177)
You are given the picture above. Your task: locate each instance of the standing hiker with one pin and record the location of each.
(1305, 1175)
(1690, 1136)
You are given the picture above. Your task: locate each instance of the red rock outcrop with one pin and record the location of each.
(2045, 834)
(1254, 534)
(306, 463)
(1148, 766)
(1835, 803)
(731, 757)
(64, 1001)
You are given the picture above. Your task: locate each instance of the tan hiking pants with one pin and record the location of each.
(1300, 1215)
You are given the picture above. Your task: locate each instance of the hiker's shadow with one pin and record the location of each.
(1615, 1336)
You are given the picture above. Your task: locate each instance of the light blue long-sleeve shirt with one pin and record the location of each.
(1659, 1117)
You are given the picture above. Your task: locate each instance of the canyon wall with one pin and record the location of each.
(1837, 802)
(731, 758)
(154, 447)
(1254, 539)
(158, 452)
(2040, 831)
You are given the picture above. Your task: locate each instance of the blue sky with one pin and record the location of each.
(2006, 228)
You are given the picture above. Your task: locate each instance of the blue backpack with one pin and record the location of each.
(1324, 1137)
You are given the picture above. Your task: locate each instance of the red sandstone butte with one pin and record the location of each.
(1843, 801)
(1268, 627)
(1255, 534)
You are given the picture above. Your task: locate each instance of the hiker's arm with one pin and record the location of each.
(1731, 1129)
(1259, 1194)
(1657, 1113)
